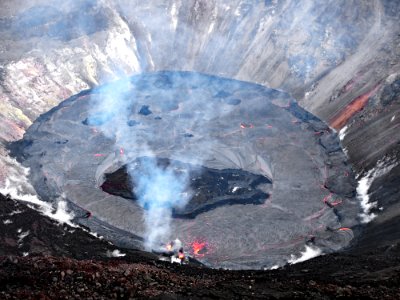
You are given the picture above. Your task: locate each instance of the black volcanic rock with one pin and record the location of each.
(145, 110)
(25, 231)
(75, 263)
(391, 93)
(211, 188)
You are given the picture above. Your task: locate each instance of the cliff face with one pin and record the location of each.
(339, 59)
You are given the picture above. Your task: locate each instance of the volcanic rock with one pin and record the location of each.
(89, 274)
(212, 187)
(287, 174)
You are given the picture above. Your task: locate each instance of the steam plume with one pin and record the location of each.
(159, 189)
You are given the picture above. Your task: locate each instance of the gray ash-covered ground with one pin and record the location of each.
(215, 123)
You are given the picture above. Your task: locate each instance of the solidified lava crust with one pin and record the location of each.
(211, 187)
(218, 124)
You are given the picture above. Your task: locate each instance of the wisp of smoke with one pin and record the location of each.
(160, 190)
(115, 253)
(110, 103)
(382, 167)
(309, 252)
(61, 214)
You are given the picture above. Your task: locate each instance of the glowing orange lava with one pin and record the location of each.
(344, 229)
(341, 118)
(197, 247)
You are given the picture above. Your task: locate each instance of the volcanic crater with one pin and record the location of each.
(265, 176)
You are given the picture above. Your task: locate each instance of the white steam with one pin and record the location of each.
(160, 190)
(61, 214)
(115, 253)
(362, 190)
(342, 132)
(14, 186)
(382, 167)
(22, 235)
(309, 252)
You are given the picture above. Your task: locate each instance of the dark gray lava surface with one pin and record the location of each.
(212, 122)
(213, 187)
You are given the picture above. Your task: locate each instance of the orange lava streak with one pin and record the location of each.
(341, 118)
(197, 247)
(344, 229)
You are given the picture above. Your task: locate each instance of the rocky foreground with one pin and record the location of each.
(62, 262)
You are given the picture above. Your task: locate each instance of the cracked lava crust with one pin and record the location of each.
(267, 176)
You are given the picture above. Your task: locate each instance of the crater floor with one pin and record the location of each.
(208, 188)
(212, 122)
